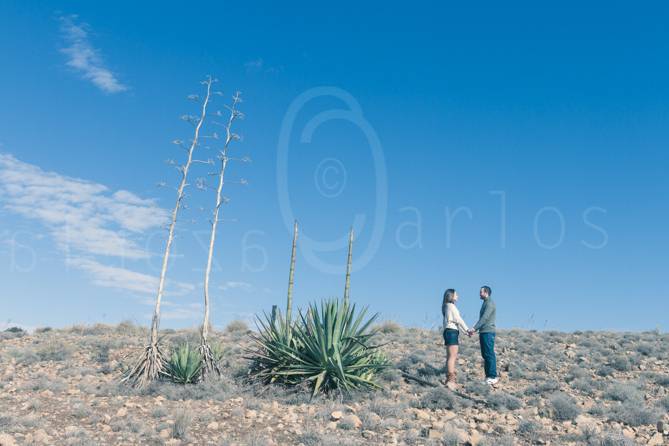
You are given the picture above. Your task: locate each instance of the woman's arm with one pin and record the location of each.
(458, 319)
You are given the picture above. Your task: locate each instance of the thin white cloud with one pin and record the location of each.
(86, 221)
(254, 65)
(80, 214)
(175, 311)
(84, 58)
(259, 66)
(244, 286)
(125, 279)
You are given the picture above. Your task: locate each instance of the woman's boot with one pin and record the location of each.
(450, 381)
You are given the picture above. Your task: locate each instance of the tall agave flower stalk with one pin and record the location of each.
(347, 286)
(151, 363)
(291, 281)
(209, 359)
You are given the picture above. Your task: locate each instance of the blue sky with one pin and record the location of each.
(522, 146)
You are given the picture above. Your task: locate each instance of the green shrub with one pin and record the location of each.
(328, 348)
(237, 326)
(605, 370)
(182, 422)
(664, 402)
(440, 398)
(387, 327)
(492, 440)
(528, 428)
(623, 392)
(662, 380)
(185, 365)
(48, 351)
(621, 363)
(633, 413)
(310, 438)
(500, 400)
(563, 407)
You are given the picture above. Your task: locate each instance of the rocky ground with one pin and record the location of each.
(61, 387)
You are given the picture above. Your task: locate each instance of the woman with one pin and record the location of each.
(453, 323)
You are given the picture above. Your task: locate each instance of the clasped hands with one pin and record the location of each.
(471, 332)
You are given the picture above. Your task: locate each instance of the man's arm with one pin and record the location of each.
(485, 317)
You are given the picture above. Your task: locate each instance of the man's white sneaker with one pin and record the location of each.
(492, 381)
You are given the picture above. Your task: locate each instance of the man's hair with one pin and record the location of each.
(487, 289)
(449, 294)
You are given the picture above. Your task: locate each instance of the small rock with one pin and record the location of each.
(40, 436)
(352, 420)
(336, 415)
(7, 440)
(629, 433)
(331, 425)
(212, 426)
(660, 426)
(434, 434)
(448, 415)
(438, 425)
(250, 413)
(422, 415)
(656, 440)
(122, 412)
(165, 433)
(475, 438)
(584, 420)
(374, 418)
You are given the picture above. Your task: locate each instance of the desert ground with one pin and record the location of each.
(61, 387)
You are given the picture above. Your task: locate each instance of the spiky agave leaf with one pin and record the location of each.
(275, 346)
(337, 353)
(185, 365)
(329, 348)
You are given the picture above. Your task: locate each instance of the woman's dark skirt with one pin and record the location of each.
(451, 336)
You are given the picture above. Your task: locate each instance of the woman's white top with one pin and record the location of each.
(452, 318)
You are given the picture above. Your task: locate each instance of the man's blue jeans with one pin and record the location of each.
(487, 341)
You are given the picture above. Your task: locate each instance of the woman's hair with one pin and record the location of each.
(449, 294)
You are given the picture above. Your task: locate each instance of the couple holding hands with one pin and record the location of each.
(485, 326)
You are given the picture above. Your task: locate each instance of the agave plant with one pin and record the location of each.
(329, 349)
(185, 365)
(275, 347)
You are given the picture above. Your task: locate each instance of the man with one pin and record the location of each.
(486, 328)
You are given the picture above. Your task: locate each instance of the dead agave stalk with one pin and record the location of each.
(347, 286)
(291, 281)
(151, 363)
(209, 360)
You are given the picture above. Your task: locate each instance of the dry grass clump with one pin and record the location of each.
(563, 407)
(237, 326)
(182, 422)
(387, 327)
